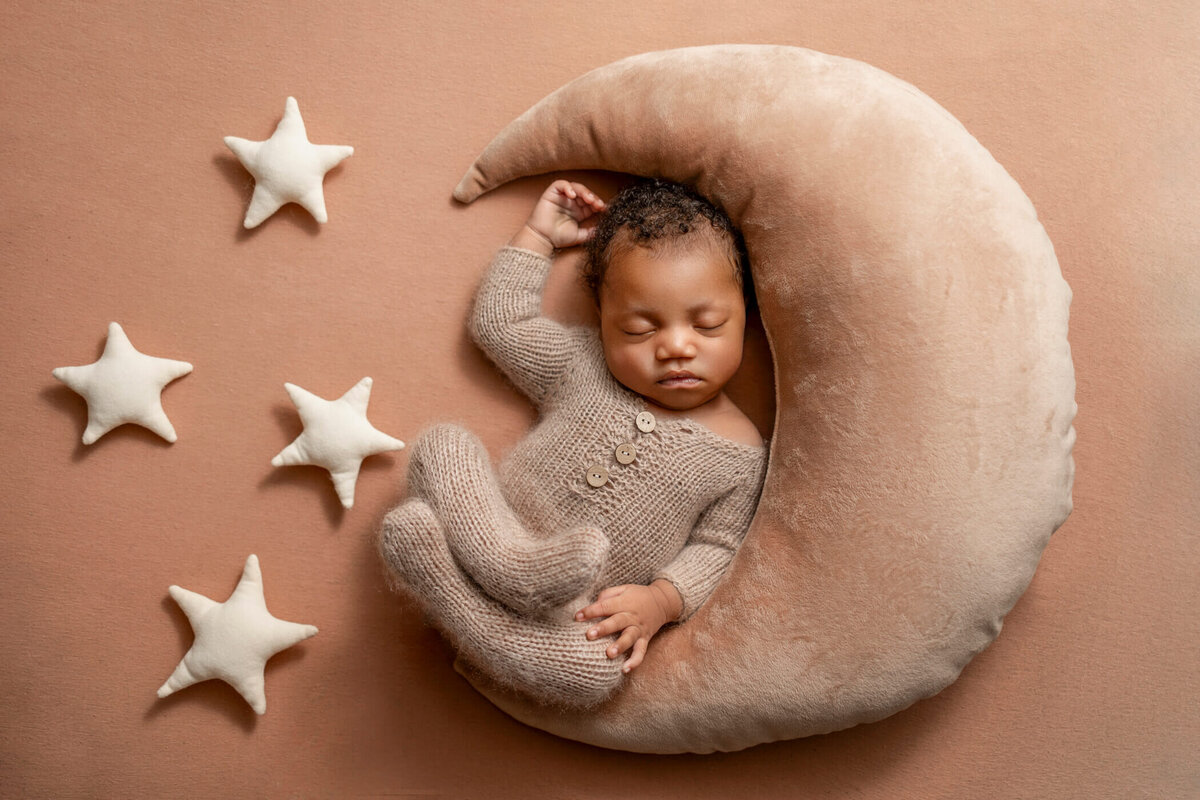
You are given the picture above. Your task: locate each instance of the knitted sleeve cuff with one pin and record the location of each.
(695, 574)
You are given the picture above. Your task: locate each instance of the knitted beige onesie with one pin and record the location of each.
(599, 493)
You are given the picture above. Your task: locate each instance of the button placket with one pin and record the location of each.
(624, 453)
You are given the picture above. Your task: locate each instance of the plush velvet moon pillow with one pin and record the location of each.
(917, 318)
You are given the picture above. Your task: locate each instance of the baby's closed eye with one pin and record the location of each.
(710, 323)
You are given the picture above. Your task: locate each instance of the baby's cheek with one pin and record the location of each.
(730, 357)
(623, 362)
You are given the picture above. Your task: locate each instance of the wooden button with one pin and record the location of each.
(645, 422)
(597, 475)
(626, 453)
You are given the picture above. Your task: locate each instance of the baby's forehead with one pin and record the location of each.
(651, 295)
(696, 262)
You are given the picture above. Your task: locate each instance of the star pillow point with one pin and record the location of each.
(234, 640)
(287, 168)
(124, 385)
(336, 436)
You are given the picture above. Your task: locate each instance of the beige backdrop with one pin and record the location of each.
(120, 202)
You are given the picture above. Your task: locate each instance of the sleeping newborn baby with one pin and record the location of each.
(623, 507)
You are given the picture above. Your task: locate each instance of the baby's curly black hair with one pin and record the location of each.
(655, 212)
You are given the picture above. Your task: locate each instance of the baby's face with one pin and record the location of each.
(672, 325)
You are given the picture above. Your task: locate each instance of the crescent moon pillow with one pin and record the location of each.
(917, 319)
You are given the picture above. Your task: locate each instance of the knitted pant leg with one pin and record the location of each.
(549, 661)
(449, 468)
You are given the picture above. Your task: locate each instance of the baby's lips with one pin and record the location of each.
(683, 379)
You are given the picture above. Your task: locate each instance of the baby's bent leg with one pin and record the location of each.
(450, 470)
(552, 662)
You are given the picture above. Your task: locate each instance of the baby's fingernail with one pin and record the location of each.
(578, 616)
(625, 670)
(592, 633)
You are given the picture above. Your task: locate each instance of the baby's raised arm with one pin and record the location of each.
(506, 321)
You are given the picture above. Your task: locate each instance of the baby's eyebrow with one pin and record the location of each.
(695, 308)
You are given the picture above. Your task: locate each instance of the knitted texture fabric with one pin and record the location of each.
(588, 499)
(450, 470)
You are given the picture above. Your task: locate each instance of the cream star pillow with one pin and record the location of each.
(287, 168)
(337, 436)
(234, 639)
(124, 386)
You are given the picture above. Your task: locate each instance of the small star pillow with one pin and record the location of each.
(287, 168)
(337, 436)
(123, 386)
(234, 639)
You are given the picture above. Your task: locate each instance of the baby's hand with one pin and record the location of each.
(637, 612)
(555, 220)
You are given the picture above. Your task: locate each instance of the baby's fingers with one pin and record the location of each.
(584, 234)
(609, 626)
(635, 658)
(626, 640)
(562, 187)
(591, 612)
(586, 196)
(560, 194)
(603, 606)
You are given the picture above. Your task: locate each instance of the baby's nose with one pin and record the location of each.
(675, 344)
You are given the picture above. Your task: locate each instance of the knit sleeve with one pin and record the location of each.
(719, 531)
(507, 324)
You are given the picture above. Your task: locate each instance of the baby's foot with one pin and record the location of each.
(409, 545)
(544, 575)
(551, 662)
